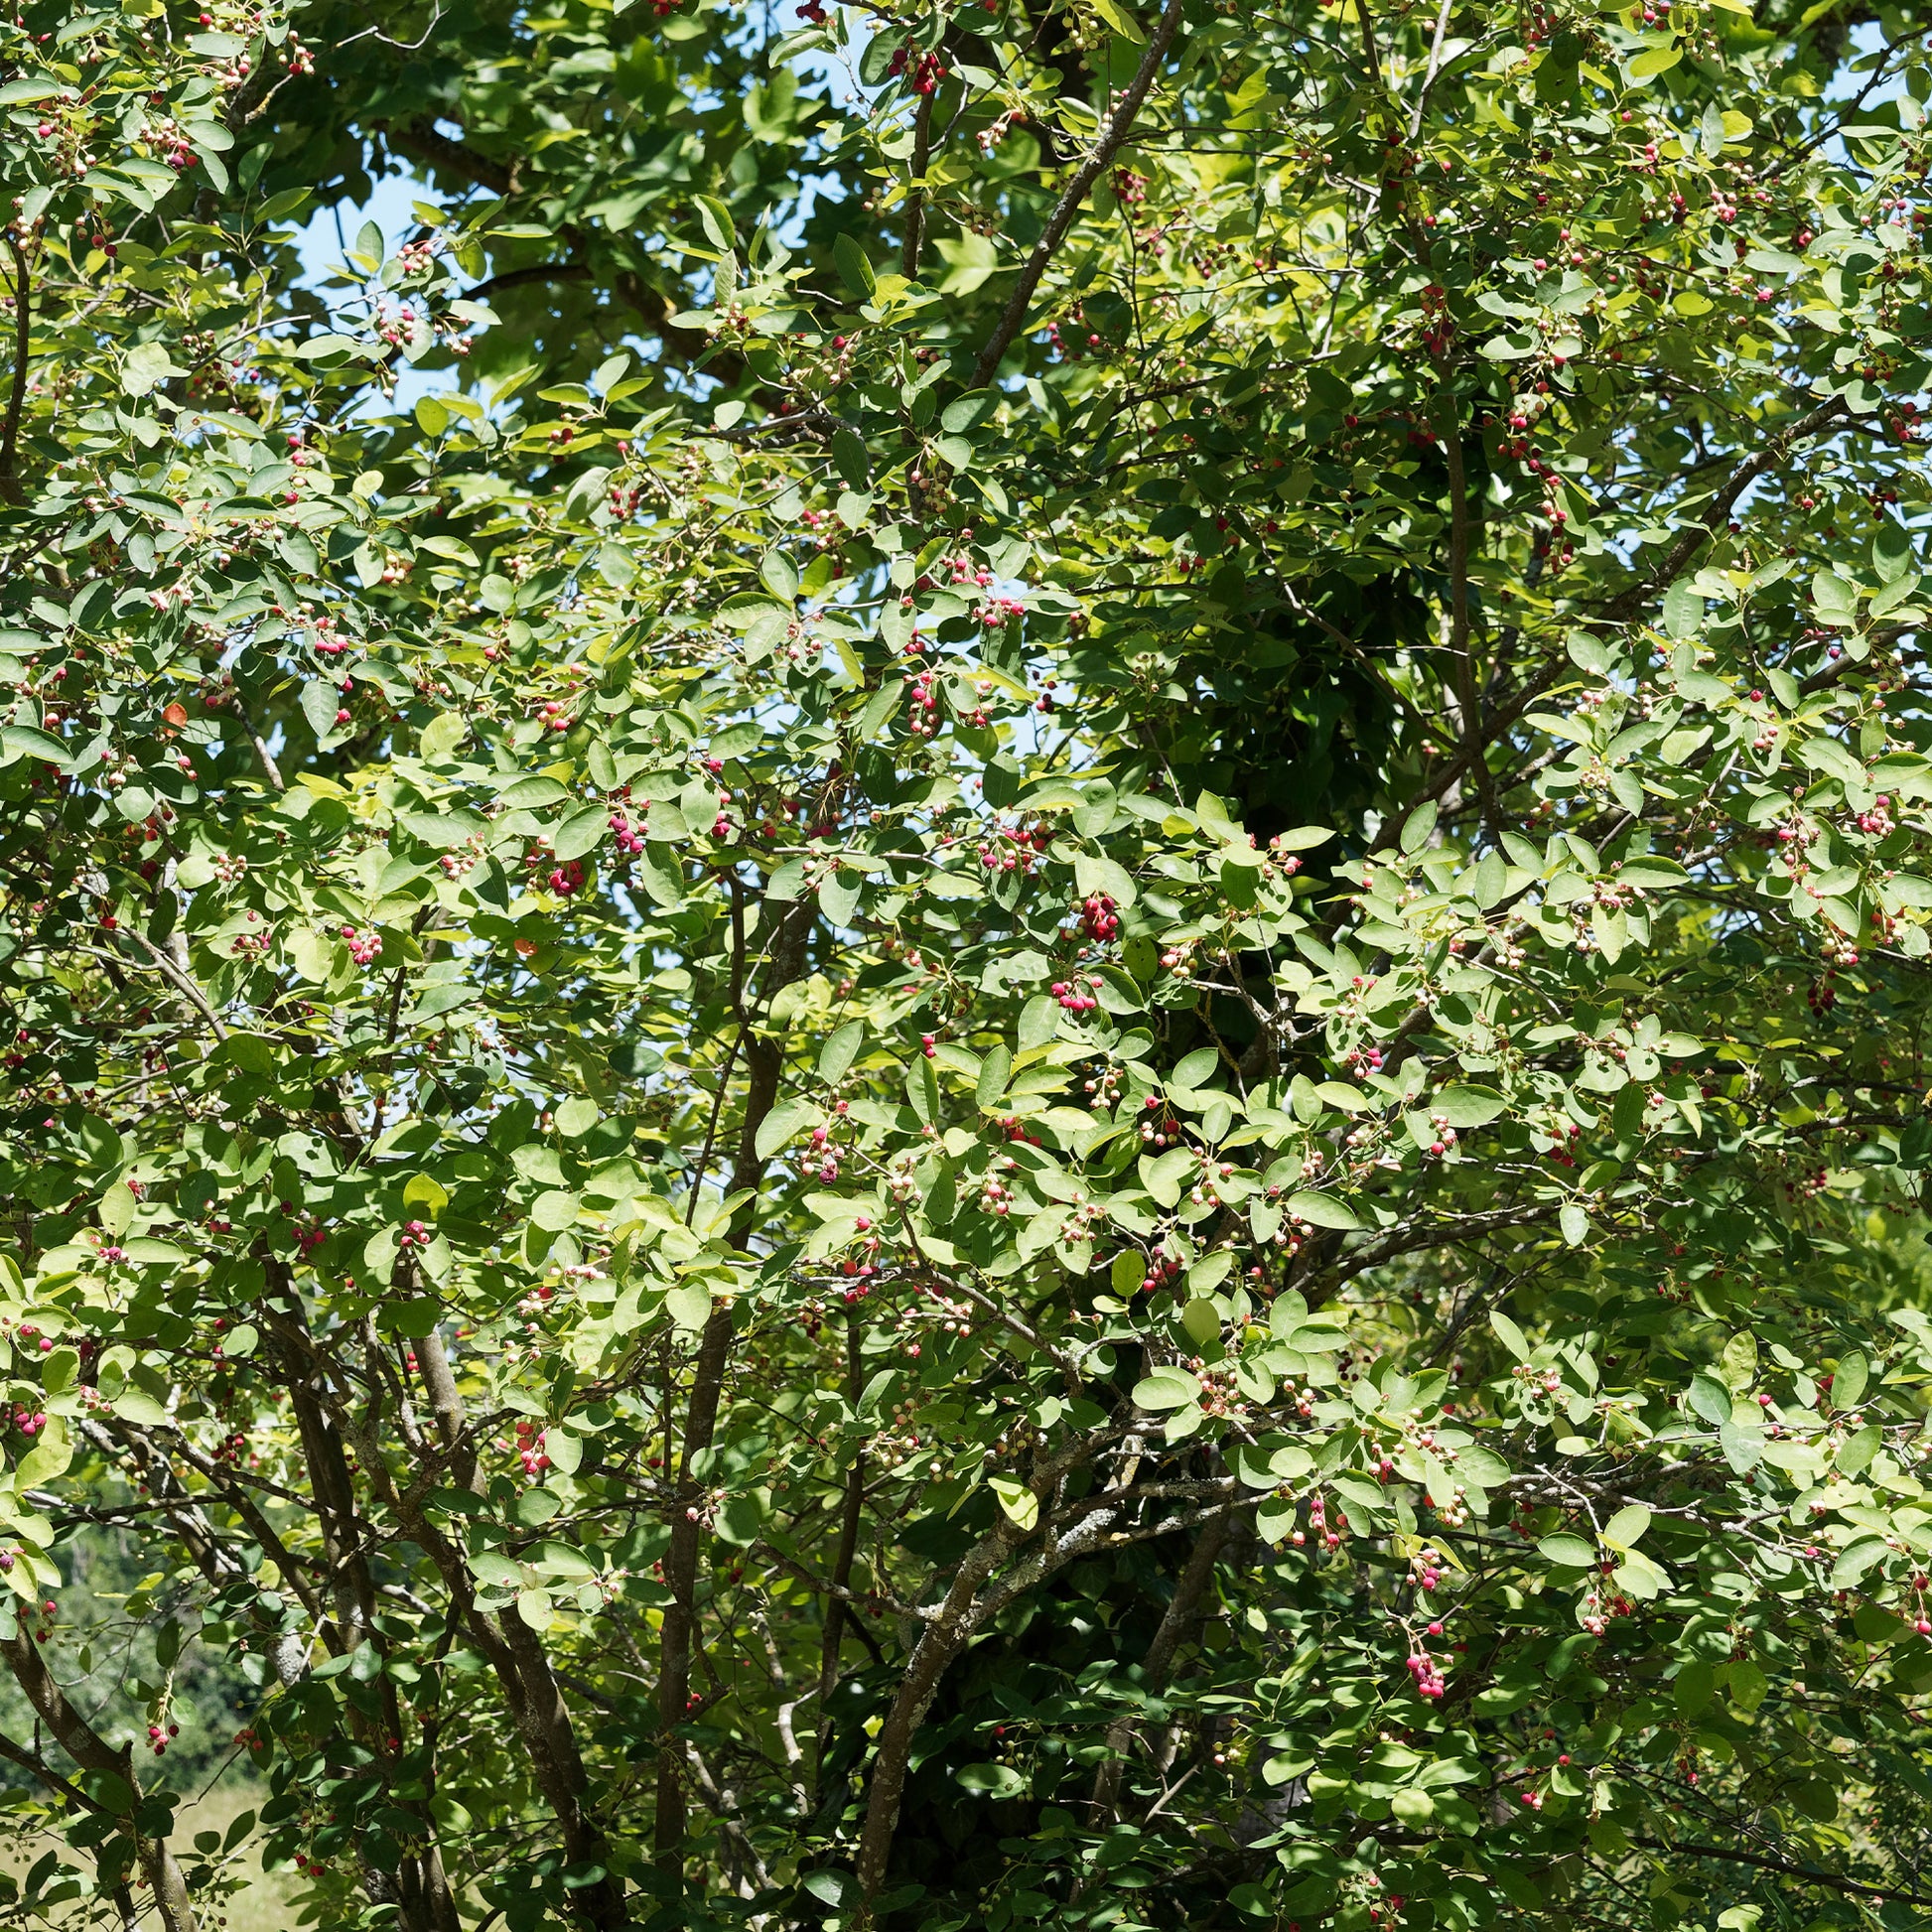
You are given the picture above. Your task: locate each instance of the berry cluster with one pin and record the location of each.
(923, 75)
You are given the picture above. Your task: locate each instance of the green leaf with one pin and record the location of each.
(1859, 1448)
(836, 1888)
(1710, 1399)
(554, 1210)
(50, 1457)
(1468, 1106)
(1323, 1211)
(1017, 1503)
(1166, 1388)
(968, 411)
(1571, 1552)
(1856, 1559)
(1694, 1685)
(1193, 1069)
(526, 794)
(444, 733)
(716, 221)
(1626, 1529)
(689, 1307)
(1742, 1444)
(147, 366)
(1202, 1321)
(837, 897)
(1039, 1022)
(854, 269)
(1119, 20)
(583, 831)
(1095, 874)
(25, 742)
(1511, 1335)
(1849, 1376)
(839, 1050)
(788, 1119)
(995, 1070)
(1683, 611)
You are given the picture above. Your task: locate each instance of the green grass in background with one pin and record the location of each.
(266, 1905)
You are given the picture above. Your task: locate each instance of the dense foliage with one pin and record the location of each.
(979, 980)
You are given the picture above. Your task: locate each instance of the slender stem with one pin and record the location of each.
(855, 1497)
(710, 1126)
(93, 1753)
(1368, 44)
(17, 392)
(1462, 666)
(1115, 126)
(764, 1060)
(1435, 67)
(915, 196)
(171, 971)
(1806, 1874)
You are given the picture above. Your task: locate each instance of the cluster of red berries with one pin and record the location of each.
(1099, 918)
(363, 945)
(924, 76)
(530, 1451)
(1160, 1273)
(1077, 995)
(925, 703)
(1429, 1679)
(1024, 849)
